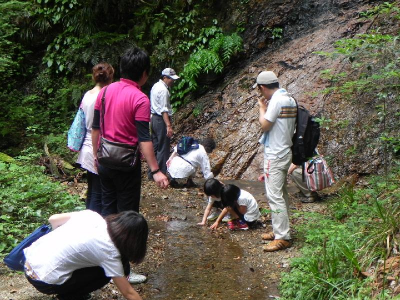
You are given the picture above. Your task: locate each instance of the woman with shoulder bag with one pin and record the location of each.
(103, 74)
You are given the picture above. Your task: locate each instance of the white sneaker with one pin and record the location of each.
(213, 215)
(227, 218)
(136, 278)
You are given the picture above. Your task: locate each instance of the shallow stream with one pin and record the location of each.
(199, 263)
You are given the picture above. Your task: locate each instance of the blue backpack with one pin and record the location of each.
(77, 132)
(16, 259)
(187, 144)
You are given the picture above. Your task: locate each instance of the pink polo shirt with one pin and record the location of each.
(125, 103)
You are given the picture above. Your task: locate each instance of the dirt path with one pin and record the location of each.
(185, 261)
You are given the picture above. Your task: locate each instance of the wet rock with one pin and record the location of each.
(230, 113)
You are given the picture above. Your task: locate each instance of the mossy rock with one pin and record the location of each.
(5, 158)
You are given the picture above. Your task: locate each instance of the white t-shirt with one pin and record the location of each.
(159, 98)
(282, 112)
(198, 158)
(212, 200)
(86, 158)
(81, 242)
(246, 199)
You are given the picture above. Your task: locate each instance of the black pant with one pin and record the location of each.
(82, 282)
(161, 143)
(120, 190)
(93, 200)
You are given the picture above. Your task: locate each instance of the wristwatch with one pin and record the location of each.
(155, 172)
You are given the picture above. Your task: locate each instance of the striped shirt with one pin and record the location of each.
(282, 112)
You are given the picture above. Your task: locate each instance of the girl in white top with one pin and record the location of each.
(242, 207)
(84, 251)
(102, 75)
(240, 204)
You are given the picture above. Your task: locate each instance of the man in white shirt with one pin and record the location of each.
(277, 119)
(161, 112)
(185, 166)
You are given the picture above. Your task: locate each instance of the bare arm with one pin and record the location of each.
(95, 145)
(126, 289)
(95, 141)
(59, 219)
(206, 213)
(219, 219)
(292, 168)
(265, 124)
(147, 149)
(167, 122)
(174, 154)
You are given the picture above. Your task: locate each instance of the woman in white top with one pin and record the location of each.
(185, 166)
(84, 251)
(102, 75)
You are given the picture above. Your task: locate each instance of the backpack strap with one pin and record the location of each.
(185, 159)
(103, 111)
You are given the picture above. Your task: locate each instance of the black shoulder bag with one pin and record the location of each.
(113, 155)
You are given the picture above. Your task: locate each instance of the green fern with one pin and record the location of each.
(214, 51)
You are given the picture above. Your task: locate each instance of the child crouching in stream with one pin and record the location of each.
(240, 204)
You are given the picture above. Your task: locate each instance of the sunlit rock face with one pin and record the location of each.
(229, 110)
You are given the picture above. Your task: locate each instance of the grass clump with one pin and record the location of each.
(345, 248)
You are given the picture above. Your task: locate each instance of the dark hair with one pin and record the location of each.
(208, 144)
(212, 187)
(103, 73)
(133, 63)
(129, 231)
(229, 195)
(271, 86)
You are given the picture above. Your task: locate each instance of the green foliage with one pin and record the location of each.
(276, 33)
(5, 158)
(265, 211)
(49, 46)
(386, 8)
(212, 53)
(374, 73)
(179, 34)
(28, 198)
(347, 204)
(323, 122)
(12, 51)
(198, 110)
(351, 151)
(338, 248)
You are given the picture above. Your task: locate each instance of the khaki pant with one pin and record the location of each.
(275, 185)
(297, 177)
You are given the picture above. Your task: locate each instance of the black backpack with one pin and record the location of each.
(186, 144)
(306, 136)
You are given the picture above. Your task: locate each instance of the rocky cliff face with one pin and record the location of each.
(229, 111)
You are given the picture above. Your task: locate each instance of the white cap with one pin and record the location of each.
(170, 73)
(265, 77)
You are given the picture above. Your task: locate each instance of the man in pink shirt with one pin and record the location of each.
(126, 120)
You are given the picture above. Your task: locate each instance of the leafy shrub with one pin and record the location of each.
(28, 198)
(337, 250)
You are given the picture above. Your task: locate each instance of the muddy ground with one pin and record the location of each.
(185, 261)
